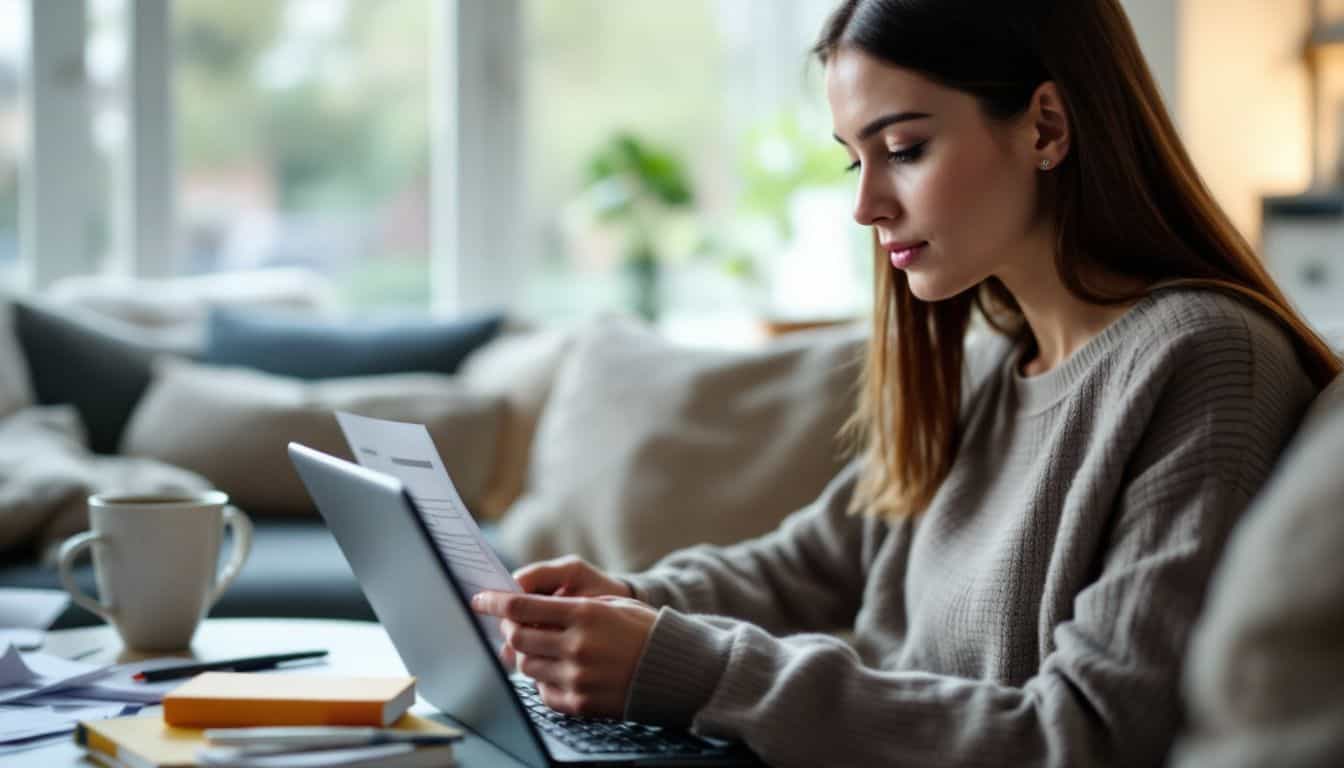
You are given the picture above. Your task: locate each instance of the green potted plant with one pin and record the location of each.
(634, 185)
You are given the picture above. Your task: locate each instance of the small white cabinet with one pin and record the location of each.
(1303, 248)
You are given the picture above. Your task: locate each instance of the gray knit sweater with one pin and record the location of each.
(1037, 612)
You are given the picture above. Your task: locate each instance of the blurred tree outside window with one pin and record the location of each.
(13, 127)
(303, 140)
(595, 70)
(769, 233)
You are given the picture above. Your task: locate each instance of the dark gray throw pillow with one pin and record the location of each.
(73, 362)
(314, 349)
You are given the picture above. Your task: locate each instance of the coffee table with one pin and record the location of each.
(354, 648)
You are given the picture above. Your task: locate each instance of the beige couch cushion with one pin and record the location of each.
(645, 447)
(520, 369)
(232, 425)
(16, 390)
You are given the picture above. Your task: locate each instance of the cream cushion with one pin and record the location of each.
(232, 425)
(645, 447)
(16, 391)
(519, 368)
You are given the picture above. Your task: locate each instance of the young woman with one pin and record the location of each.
(1021, 549)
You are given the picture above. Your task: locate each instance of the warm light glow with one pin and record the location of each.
(1245, 101)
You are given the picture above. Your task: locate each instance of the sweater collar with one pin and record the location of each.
(1038, 393)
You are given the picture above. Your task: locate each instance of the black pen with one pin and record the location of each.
(246, 664)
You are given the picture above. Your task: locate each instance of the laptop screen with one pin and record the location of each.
(415, 595)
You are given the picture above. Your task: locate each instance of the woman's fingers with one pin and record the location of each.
(550, 576)
(569, 577)
(543, 670)
(538, 641)
(527, 609)
(584, 650)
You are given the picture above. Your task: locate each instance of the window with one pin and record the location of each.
(579, 97)
(723, 90)
(211, 136)
(303, 140)
(13, 129)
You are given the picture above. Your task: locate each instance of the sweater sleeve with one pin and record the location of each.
(1266, 672)
(807, 575)
(1106, 693)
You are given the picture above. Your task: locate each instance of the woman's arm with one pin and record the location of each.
(807, 575)
(1266, 672)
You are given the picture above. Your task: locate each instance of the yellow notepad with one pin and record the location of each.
(149, 742)
(229, 699)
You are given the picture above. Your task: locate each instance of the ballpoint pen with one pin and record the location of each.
(245, 664)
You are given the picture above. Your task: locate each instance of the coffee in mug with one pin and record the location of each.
(155, 558)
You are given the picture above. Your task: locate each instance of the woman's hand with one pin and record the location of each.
(581, 652)
(569, 577)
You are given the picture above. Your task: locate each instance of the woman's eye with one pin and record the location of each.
(907, 155)
(901, 156)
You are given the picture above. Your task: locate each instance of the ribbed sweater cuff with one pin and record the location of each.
(646, 589)
(679, 670)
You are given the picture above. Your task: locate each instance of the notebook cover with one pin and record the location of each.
(228, 699)
(149, 742)
(140, 742)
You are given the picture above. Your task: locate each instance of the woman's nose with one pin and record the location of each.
(874, 200)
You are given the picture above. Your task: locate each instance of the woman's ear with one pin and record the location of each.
(1050, 126)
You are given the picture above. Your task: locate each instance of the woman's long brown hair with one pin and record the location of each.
(1127, 202)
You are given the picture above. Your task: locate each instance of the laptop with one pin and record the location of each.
(440, 640)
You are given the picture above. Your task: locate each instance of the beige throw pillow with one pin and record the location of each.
(520, 368)
(645, 447)
(232, 425)
(16, 390)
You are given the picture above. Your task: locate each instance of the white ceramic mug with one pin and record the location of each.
(155, 557)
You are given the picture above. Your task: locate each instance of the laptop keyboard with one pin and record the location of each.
(603, 736)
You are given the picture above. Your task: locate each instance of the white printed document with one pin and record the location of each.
(407, 452)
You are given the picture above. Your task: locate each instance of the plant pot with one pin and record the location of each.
(643, 276)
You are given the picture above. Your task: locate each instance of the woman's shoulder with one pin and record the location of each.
(1189, 326)
(1198, 350)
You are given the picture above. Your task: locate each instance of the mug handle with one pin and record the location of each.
(242, 545)
(70, 550)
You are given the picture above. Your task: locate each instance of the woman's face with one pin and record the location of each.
(951, 193)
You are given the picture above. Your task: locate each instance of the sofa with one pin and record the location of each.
(601, 439)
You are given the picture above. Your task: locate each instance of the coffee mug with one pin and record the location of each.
(155, 558)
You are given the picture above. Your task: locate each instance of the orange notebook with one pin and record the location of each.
(226, 699)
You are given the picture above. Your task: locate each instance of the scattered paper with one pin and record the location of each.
(119, 686)
(24, 722)
(26, 677)
(23, 639)
(23, 676)
(407, 452)
(31, 608)
(12, 669)
(37, 742)
(43, 695)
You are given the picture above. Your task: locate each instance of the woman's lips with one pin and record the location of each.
(905, 254)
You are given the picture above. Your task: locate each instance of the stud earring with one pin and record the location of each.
(1045, 165)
